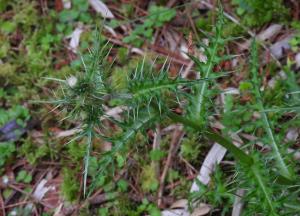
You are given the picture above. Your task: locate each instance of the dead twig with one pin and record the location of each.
(176, 139)
(156, 146)
(2, 205)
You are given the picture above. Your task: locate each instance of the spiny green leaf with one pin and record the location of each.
(268, 127)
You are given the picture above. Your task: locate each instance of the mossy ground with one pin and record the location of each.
(34, 45)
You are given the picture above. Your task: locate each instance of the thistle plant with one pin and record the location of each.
(149, 97)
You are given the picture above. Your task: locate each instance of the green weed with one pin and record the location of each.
(148, 98)
(157, 17)
(257, 13)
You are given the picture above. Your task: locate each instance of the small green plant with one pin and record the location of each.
(68, 17)
(157, 17)
(190, 148)
(23, 176)
(148, 97)
(295, 42)
(259, 12)
(218, 192)
(16, 116)
(6, 151)
(18, 113)
(34, 151)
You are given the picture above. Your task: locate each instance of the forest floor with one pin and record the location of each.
(42, 168)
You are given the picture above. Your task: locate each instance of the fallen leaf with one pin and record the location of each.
(180, 204)
(41, 190)
(101, 8)
(203, 209)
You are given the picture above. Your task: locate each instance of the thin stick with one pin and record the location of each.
(2, 205)
(156, 146)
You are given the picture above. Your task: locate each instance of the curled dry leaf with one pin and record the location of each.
(292, 134)
(75, 38)
(67, 133)
(277, 49)
(203, 209)
(176, 43)
(180, 204)
(175, 212)
(67, 4)
(41, 190)
(101, 8)
(266, 34)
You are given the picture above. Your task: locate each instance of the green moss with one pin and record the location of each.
(190, 148)
(148, 179)
(7, 73)
(70, 187)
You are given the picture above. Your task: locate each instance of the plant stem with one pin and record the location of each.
(264, 189)
(87, 158)
(237, 153)
(277, 154)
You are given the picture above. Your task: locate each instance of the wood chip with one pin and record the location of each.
(214, 156)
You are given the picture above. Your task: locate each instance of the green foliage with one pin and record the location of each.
(76, 151)
(69, 17)
(273, 140)
(146, 207)
(157, 155)
(199, 100)
(18, 113)
(295, 42)
(122, 185)
(157, 17)
(23, 176)
(257, 13)
(217, 193)
(6, 151)
(27, 43)
(148, 97)
(190, 148)
(34, 151)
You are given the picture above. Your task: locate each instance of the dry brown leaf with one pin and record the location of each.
(203, 209)
(180, 204)
(75, 38)
(266, 34)
(175, 212)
